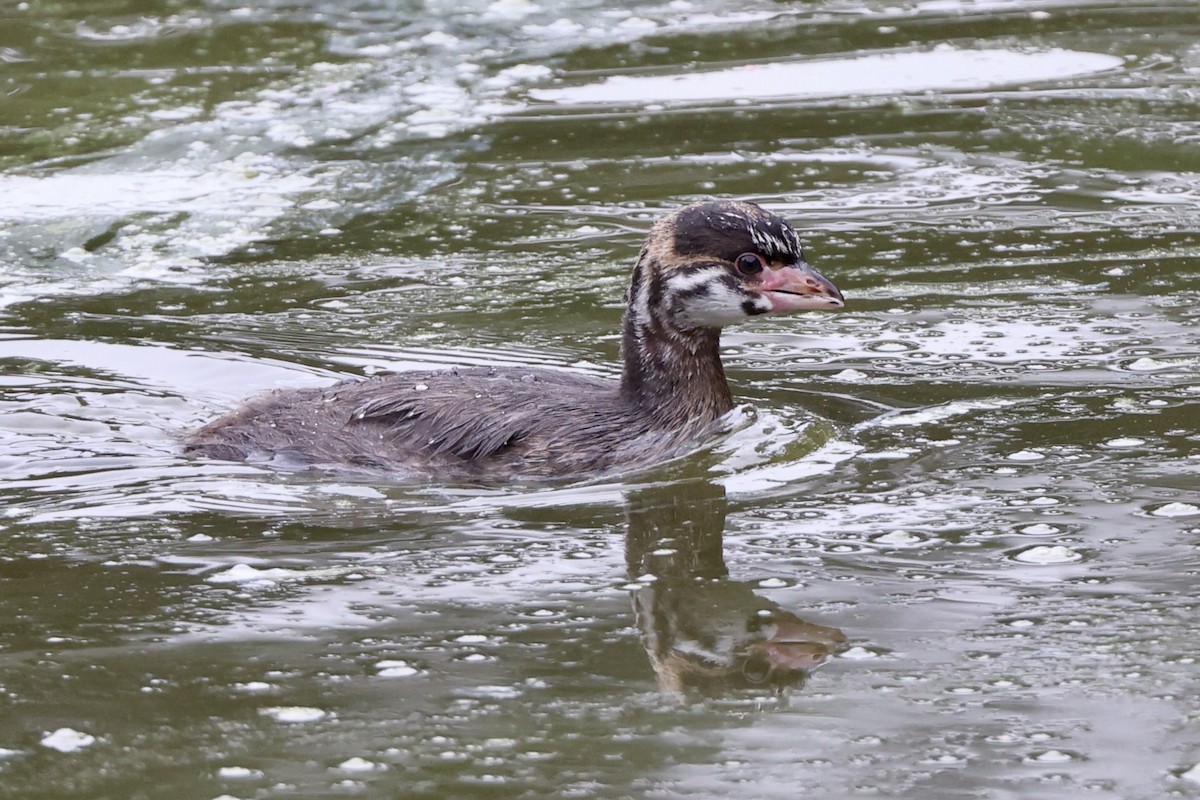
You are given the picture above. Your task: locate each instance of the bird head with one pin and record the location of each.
(713, 264)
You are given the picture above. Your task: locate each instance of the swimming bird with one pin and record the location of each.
(703, 266)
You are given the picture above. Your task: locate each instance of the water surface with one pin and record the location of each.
(967, 506)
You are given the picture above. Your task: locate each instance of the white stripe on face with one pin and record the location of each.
(721, 305)
(681, 283)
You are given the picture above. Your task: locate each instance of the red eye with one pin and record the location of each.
(749, 264)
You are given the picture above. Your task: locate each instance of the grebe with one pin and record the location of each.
(703, 267)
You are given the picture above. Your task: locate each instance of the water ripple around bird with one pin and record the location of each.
(970, 498)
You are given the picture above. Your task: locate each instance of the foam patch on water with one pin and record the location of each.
(941, 69)
(252, 577)
(208, 182)
(293, 714)
(67, 740)
(926, 416)
(1048, 555)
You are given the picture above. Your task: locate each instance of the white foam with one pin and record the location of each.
(67, 740)
(293, 714)
(941, 69)
(1048, 555)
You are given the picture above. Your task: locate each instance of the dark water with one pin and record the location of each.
(972, 498)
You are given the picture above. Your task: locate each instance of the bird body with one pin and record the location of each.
(703, 267)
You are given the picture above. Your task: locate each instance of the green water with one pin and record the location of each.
(973, 495)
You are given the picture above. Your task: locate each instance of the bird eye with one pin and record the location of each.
(749, 264)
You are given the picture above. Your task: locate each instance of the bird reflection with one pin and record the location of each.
(704, 633)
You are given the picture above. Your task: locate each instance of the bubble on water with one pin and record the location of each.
(1047, 555)
(472, 638)
(1176, 510)
(358, 764)
(1125, 441)
(1025, 455)
(395, 668)
(1039, 529)
(254, 687)
(1050, 757)
(67, 740)
(891, 347)
(858, 653)
(899, 539)
(773, 583)
(293, 714)
(946, 759)
(1192, 774)
(1146, 364)
(239, 774)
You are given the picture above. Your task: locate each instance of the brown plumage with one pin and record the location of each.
(704, 266)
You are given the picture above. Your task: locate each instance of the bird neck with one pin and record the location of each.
(674, 375)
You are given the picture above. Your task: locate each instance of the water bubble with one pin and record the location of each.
(293, 714)
(67, 740)
(1004, 738)
(395, 668)
(357, 764)
(1176, 510)
(1048, 555)
(254, 687)
(899, 539)
(1147, 365)
(471, 638)
(946, 759)
(891, 346)
(1050, 757)
(1039, 529)
(858, 653)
